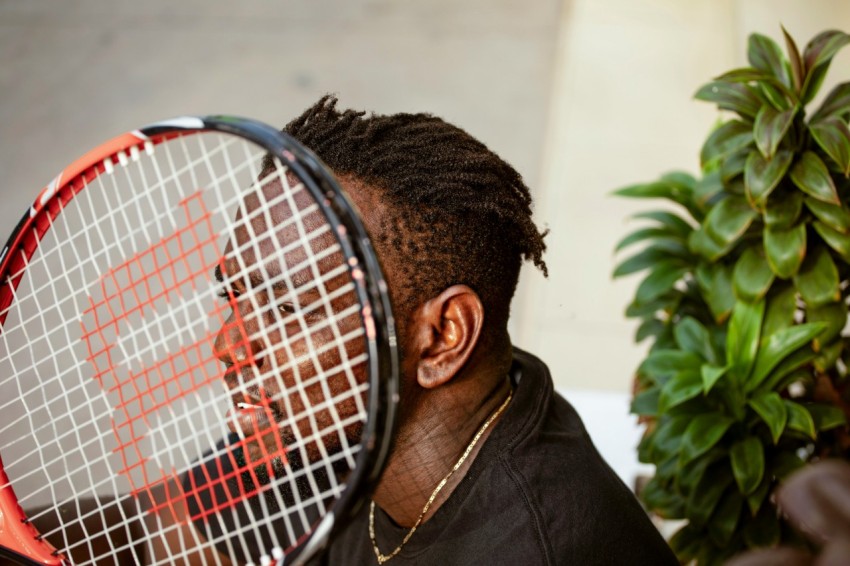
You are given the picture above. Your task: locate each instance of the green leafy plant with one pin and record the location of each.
(745, 300)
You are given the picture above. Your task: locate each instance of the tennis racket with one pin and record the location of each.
(197, 354)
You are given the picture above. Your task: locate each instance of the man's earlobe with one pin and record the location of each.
(448, 329)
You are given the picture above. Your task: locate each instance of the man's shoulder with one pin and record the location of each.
(580, 506)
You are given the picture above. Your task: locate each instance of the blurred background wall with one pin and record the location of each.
(581, 96)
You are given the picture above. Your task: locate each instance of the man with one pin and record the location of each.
(489, 464)
(519, 480)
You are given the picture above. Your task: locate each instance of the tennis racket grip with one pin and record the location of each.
(18, 535)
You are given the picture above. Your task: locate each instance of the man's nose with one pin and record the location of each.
(239, 342)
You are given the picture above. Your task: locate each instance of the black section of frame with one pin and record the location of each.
(8, 557)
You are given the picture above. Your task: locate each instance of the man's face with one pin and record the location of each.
(293, 344)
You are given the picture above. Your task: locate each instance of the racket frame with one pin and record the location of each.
(21, 541)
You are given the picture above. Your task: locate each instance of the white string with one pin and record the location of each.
(78, 260)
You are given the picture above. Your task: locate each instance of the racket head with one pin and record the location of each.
(202, 218)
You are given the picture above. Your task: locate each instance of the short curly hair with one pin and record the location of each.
(461, 214)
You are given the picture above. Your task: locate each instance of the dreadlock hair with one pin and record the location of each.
(461, 215)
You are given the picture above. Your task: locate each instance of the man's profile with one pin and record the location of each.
(490, 465)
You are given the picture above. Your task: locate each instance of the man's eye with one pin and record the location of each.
(287, 308)
(226, 293)
(308, 315)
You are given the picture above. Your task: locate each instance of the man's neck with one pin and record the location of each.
(433, 439)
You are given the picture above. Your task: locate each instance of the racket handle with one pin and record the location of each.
(17, 534)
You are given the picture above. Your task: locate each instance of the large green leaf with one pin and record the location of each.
(828, 355)
(692, 336)
(836, 104)
(785, 463)
(780, 309)
(812, 177)
(731, 96)
(826, 416)
(659, 281)
(703, 432)
(676, 247)
(686, 543)
(837, 217)
(785, 249)
(762, 175)
(752, 276)
(764, 54)
(649, 257)
(817, 281)
(838, 241)
(682, 178)
(712, 183)
(683, 386)
(649, 327)
(703, 245)
(710, 376)
(667, 219)
(757, 497)
(777, 94)
(666, 303)
(783, 208)
(814, 80)
(715, 284)
(645, 451)
(779, 346)
(765, 530)
(725, 518)
(645, 403)
(797, 69)
(833, 316)
(644, 234)
(661, 364)
(786, 369)
(747, 75)
(666, 471)
(770, 127)
(770, 407)
(670, 190)
(816, 58)
(832, 135)
(667, 438)
(728, 220)
(742, 340)
(688, 477)
(747, 463)
(823, 47)
(799, 419)
(703, 499)
(662, 500)
(693, 407)
(730, 168)
(725, 140)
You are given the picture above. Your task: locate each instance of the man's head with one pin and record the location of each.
(443, 209)
(451, 223)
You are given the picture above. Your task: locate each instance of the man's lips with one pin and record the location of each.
(255, 419)
(248, 419)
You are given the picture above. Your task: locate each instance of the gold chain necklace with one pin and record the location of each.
(384, 557)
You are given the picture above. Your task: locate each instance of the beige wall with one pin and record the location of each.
(622, 112)
(583, 96)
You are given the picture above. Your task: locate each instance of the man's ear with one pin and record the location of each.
(446, 331)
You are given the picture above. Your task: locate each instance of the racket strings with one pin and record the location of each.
(83, 282)
(354, 392)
